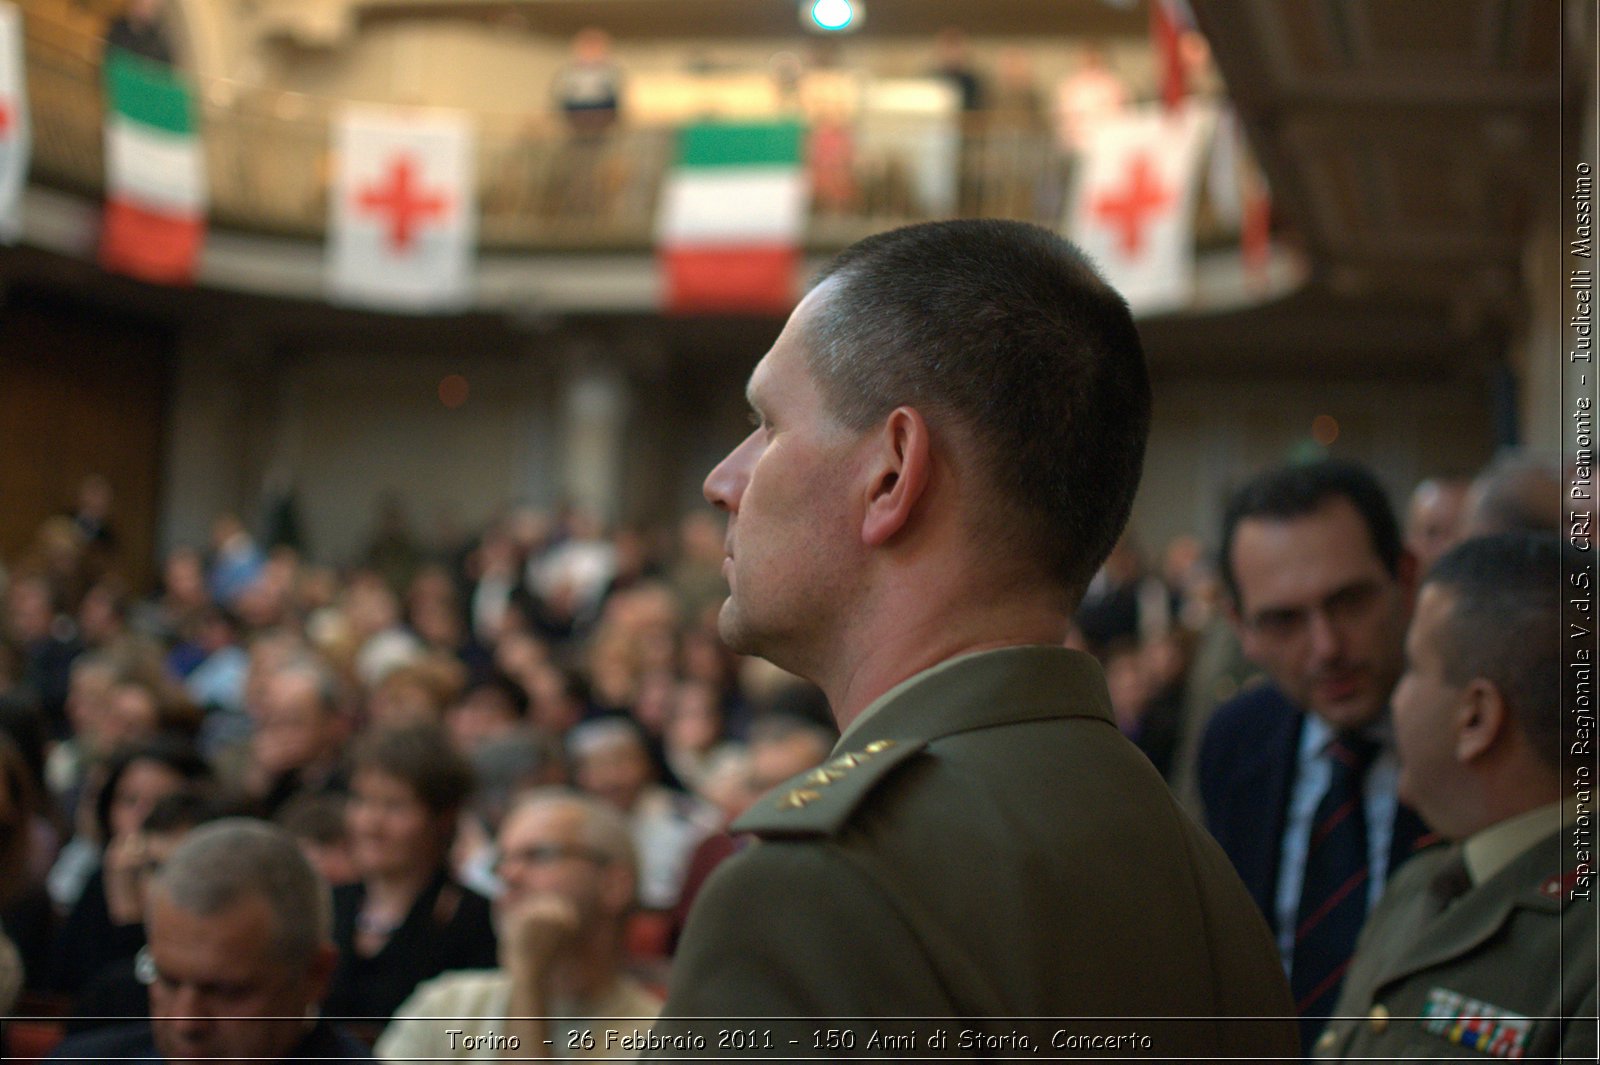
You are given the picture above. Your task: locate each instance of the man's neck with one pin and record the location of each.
(905, 649)
(1493, 847)
(1512, 795)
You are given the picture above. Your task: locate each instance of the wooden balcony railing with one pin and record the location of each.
(267, 156)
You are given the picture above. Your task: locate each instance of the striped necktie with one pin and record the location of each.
(1333, 894)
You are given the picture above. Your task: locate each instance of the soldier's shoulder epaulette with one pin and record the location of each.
(819, 801)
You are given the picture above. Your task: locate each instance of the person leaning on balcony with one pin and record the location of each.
(588, 93)
(588, 89)
(953, 63)
(141, 30)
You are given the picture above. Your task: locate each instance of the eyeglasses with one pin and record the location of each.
(1344, 606)
(224, 993)
(549, 853)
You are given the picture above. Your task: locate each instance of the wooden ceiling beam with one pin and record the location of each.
(1391, 92)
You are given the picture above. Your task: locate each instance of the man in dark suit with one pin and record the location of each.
(1486, 947)
(1298, 774)
(949, 433)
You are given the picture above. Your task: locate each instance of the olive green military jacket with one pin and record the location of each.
(988, 862)
(1500, 972)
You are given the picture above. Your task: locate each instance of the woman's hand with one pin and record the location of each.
(125, 863)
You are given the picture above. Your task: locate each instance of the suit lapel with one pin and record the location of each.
(1268, 778)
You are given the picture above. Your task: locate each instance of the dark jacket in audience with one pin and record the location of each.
(134, 1042)
(448, 927)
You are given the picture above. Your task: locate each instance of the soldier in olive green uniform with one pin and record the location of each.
(1501, 970)
(950, 431)
(1484, 947)
(987, 845)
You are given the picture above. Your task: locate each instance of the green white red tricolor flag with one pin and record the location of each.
(731, 218)
(15, 139)
(402, 224)
(1132, 210)
(156, 196)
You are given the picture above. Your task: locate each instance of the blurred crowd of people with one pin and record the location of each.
(389, 714)
(1161, 627)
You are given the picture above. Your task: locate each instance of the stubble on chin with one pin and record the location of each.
(731, 629)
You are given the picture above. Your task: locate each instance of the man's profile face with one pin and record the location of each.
(217, 979)
(790, 518)
(1320, 613)
(1425, 710)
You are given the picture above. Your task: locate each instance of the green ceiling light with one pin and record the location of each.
(832, 16)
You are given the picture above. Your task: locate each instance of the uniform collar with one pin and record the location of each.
(1010, 684)
(1490, 850)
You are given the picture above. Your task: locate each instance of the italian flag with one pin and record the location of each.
(155, 173)
(731, 216)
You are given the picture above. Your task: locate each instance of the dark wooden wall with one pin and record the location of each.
(83, 390)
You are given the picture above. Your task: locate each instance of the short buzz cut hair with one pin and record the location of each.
(1505, 625)
(1285, 493)
(1004, 332)
(222, 863)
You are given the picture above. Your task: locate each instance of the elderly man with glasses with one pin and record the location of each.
(568, 874)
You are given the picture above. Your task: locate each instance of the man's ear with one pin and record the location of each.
(1481, 719)
(897, 474)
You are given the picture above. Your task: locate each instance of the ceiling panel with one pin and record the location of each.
(1407, 142)
(1427, 33)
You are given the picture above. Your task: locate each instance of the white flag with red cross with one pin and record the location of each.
(1132, 208)
(403, 215)
(15, 136)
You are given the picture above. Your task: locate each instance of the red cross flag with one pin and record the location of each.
(1132, 210)
(14, 133)
(403, 219)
